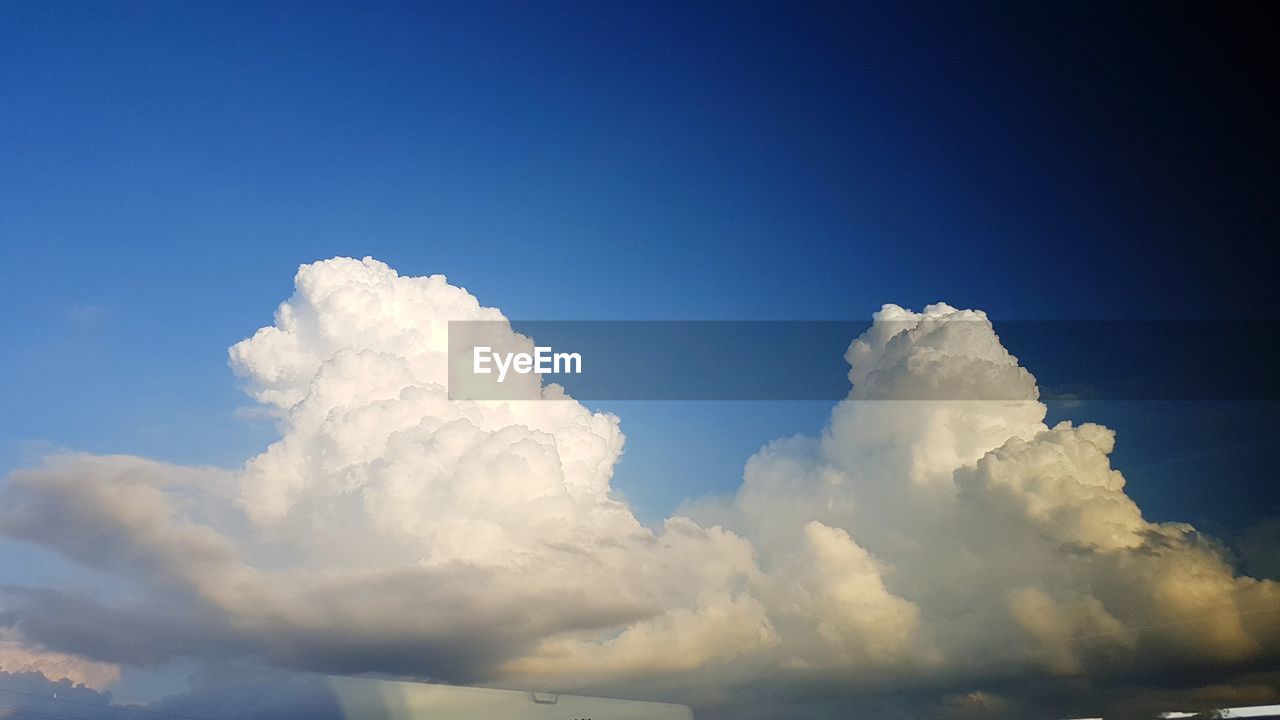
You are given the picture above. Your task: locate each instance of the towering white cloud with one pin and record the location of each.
(937, 532)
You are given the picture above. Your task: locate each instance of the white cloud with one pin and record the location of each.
(947, 539)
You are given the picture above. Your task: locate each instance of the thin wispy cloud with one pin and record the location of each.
(86, 315)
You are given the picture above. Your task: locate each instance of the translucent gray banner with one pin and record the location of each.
(806, 360)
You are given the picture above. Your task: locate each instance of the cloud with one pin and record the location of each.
(17, 658)
(936, 545)
(86, 315)
(1257, 547)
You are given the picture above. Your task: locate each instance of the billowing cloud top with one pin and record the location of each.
(942, 543)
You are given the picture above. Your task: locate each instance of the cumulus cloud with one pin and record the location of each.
(17, 658)
(937, 533)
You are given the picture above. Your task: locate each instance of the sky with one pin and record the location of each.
(165, 169)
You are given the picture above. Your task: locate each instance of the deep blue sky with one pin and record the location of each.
(164, 168)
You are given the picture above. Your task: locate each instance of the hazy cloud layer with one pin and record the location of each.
(957, 545)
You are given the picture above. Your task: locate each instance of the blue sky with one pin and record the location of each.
(165, 168)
